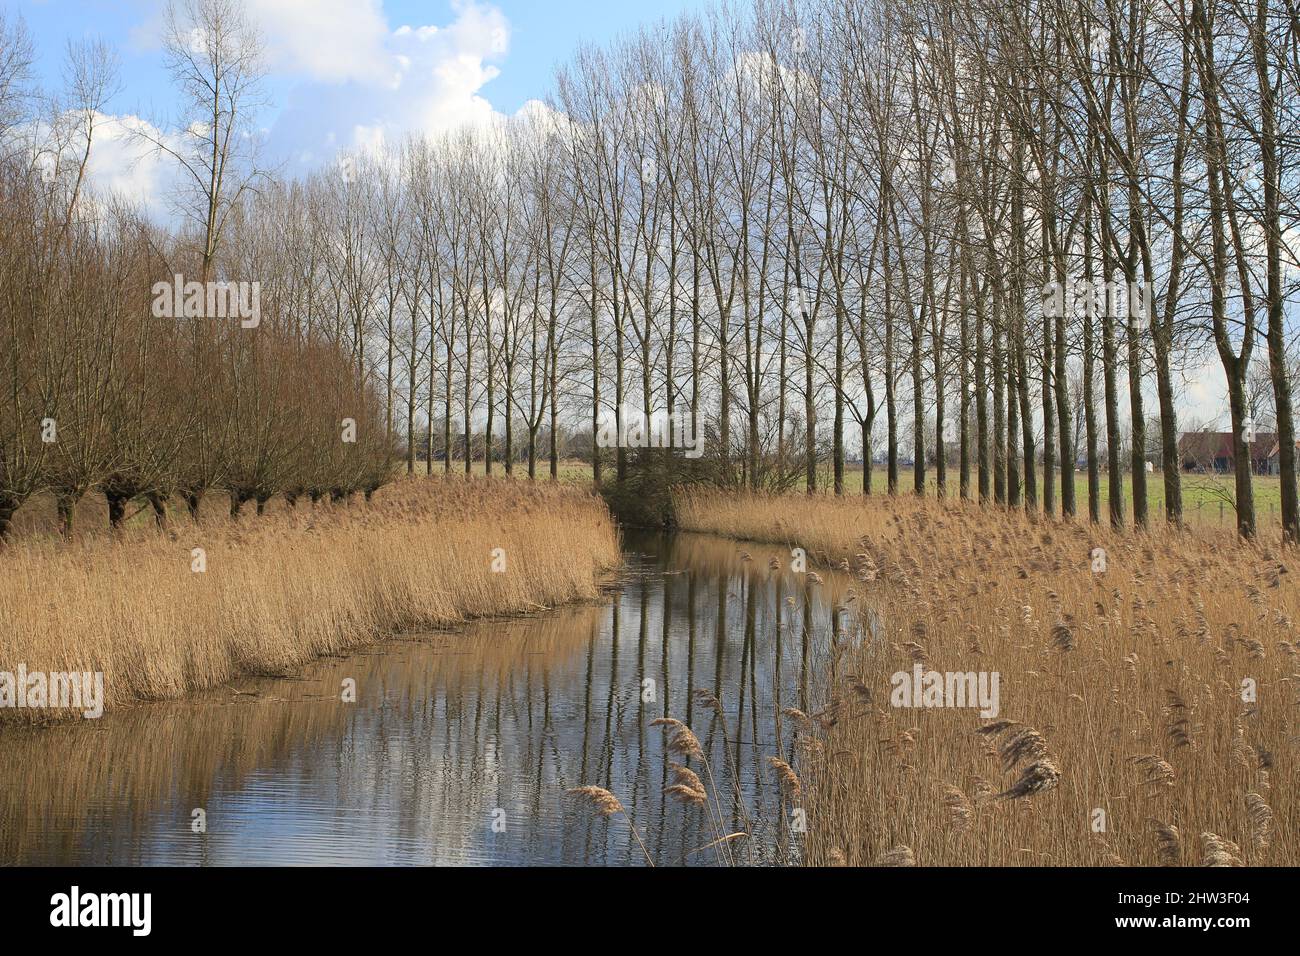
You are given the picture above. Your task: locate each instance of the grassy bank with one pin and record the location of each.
(1151, 705)
(1207, 498)
(284, 588)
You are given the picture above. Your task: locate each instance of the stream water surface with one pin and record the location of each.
(461, 744)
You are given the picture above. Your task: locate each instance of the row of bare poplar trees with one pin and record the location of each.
(98, 392)
(1025, 232)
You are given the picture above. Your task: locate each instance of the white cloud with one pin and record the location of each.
(1203, 401)
(394, 81)
(331, 41)
(539, 114)
(124, 165)
(346, 78)
(121, 165)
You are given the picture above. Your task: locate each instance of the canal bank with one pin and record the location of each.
(460, 745)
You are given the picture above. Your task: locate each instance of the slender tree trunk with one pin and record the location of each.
(1137, 416)
(1114, 469)
(117, 509)
(66, 503)
(1049, 423)
(964, 375)
(1013, 421)
(999, 412)
(981, 401)
(158, 502)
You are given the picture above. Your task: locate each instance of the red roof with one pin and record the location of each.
(1209, 446)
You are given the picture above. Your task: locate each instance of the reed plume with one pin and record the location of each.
(599, 799)
(607, 805)
(1038, 777)
(789, 780)
(681, 740)
(1169, 844)
(1261, 820)
(898, 856)
(1156, 771)
(1218, 852)
(960, 810)
(687, 786)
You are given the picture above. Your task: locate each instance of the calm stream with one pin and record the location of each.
(461, 744)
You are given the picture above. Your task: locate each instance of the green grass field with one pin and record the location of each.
(1207, 499)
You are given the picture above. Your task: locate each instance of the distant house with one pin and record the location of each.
(1213, 452)
(1273, 461)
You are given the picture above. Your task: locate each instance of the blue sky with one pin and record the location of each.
(349, 73)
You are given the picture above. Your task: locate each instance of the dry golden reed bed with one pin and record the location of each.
(287, 587)
(1125, 689)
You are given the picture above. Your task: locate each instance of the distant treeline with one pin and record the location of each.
(801, 226)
